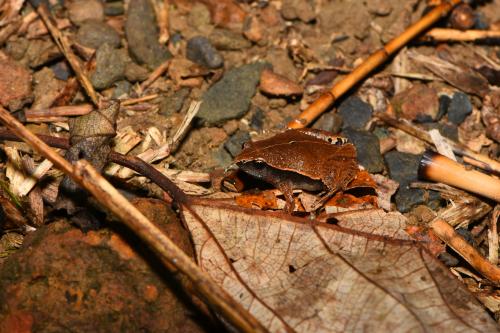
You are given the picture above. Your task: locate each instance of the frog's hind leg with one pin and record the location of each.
(287, 190)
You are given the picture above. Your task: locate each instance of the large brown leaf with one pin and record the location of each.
(361, 274)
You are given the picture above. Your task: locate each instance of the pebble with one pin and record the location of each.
(355, 113)
(257, 120)
(229, 40)
(95, 33)
(460, 108)
(61, 70)
(403, 169)
(114, 8)
(83, 10)
(135, 72)
(222, 157)
(253, 30)
(278, 85)
(297, 9)
(230, 97)
(200, 50)
(15, 85)
(444, 104)
(46, 88)
(448, 130)
(110, 67)
(173, 103)
(235, 143)
(122, 87)
(419, 102)
(329, 121)
(142, 34)
(368, 149)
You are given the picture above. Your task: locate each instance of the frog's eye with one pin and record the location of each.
(246, 145)
(341, 141)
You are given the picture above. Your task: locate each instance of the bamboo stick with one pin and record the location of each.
(376, 59)
(86, 176)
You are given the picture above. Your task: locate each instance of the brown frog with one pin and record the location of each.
(307, 159)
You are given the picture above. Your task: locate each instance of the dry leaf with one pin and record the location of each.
(362, 274)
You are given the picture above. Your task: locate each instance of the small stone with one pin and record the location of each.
(110, 67)
(224, 39)
(95, 33)
(83, 10)
(121, 88)
(368, 149)
(200, 50)
(355, 113)
(444, 104)
(480, 21)
(329, 121)
(174, 102)
(235, 143)
(46, 88)
(41, 52)
(226, 13)
(17, 47)
(448, 130)
(135, 72)
(257, 120)
(403, 169)
(253, 29)
(418, 102)
(462, 17)
(199, 17)
(460, 108)
(15, 85)
(61, 70)
(448, 259)
(222, 157)
(297, 9)
(230, 97)
(114, 8)
(379, 7)
(278, 85)
(142, 34)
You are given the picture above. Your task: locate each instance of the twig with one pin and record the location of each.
(132, 101)
(154, 75)
(58, 112)
(485, 162)
(65, 48)
(86, 176)
(493, 236)
(443, 35)
(373, 61)
(439, 168)
(448, 235)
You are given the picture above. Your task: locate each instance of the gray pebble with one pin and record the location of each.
(230, 97)
(460, 108)
(355, 113)
(222, 157)
(110, 67)
(235, 143)
(142, 34)
(224, 39)
(331, 122)
(368, 149)
(200, 50)
(95, 33)
(174, 102)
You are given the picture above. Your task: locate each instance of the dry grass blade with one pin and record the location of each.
(65, 48)
(375, 60)
(444, 35)
(86, 176)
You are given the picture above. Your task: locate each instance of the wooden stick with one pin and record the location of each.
(65, 48)
(373, 61)
(41, 115)
(484, 162)
(448, 235)
(445, 35)
(439, 168)
(86, 176)
(154, 75)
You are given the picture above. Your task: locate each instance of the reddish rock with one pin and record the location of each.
(225, 13)
(417, 103)
(278, 85)
(83, 10)
(15, 85)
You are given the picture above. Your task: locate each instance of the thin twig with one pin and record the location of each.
(485, 162)
(64, 46)
(448, 235)
(154, 75)
(493, 236)
(373, 61)
(86, 176)
(445, 35)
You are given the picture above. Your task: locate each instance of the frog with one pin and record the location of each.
(306, 159)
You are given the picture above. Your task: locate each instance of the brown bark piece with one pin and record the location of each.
(15, 85)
